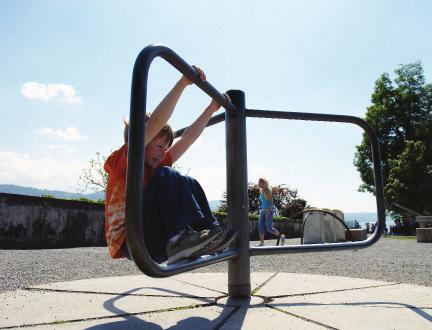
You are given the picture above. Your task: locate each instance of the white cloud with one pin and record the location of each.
(70, 134)
(44, 173)
(38, 91)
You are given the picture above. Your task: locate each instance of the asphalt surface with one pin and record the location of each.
(391, 259)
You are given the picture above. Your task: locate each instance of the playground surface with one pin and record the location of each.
(199, 301)
(385, 286)
(391, 259)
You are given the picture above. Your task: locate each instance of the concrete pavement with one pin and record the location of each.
(199, 301)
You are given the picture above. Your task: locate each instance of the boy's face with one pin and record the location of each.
(155, 152)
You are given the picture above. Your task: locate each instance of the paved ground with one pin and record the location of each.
(198, 301)
(82, 288)
(394, 260)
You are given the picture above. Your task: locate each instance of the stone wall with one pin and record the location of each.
(28, 222)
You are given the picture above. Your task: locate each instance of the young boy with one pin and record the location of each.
(179, 223)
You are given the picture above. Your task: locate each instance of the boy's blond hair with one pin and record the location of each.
(165, 132)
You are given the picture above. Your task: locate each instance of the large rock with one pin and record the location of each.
(424, 235)
(358, 234)
(320, 227)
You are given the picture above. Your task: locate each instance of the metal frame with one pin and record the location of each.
(237, 198)
(135, 170)
(379, 194)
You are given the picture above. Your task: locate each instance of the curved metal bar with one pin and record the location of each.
(135, 170)
(379, 194)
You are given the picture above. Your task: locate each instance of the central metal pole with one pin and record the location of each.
(239, 284)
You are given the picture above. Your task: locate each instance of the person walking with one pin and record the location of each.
(265, 222)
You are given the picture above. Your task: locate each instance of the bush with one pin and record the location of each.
(83, 199)
(286, 200)
(254, 217)
(47, 196)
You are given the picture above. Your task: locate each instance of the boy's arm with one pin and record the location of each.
(164, 110)
(192, 133)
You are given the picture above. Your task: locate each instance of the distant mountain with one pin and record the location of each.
(29, 191)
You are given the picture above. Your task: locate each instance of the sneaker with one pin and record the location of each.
(213, 243)
(229, 238)
(190, 242)
(261, 244)
(219, 243)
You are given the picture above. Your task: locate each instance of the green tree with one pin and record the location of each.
(401, 114)
(410, 178)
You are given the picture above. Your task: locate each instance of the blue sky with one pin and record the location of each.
(66, 71)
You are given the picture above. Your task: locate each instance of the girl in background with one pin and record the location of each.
(266, 213)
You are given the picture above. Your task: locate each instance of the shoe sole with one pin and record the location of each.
(210, 246)
(188, 252)
(224, 244)
(215, 246)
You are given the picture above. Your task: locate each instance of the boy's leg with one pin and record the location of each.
(154, 234)
(174, 208)
(209, 220)
(176, 205)
(226, 238)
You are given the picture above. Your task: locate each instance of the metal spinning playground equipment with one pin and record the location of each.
(238, 257)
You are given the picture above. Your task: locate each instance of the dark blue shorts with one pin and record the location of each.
(171, 202)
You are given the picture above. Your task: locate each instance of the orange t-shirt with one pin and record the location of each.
(115, 198)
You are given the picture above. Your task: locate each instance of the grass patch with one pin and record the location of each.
(404, 238)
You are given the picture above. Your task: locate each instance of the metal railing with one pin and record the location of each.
(236, 164)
